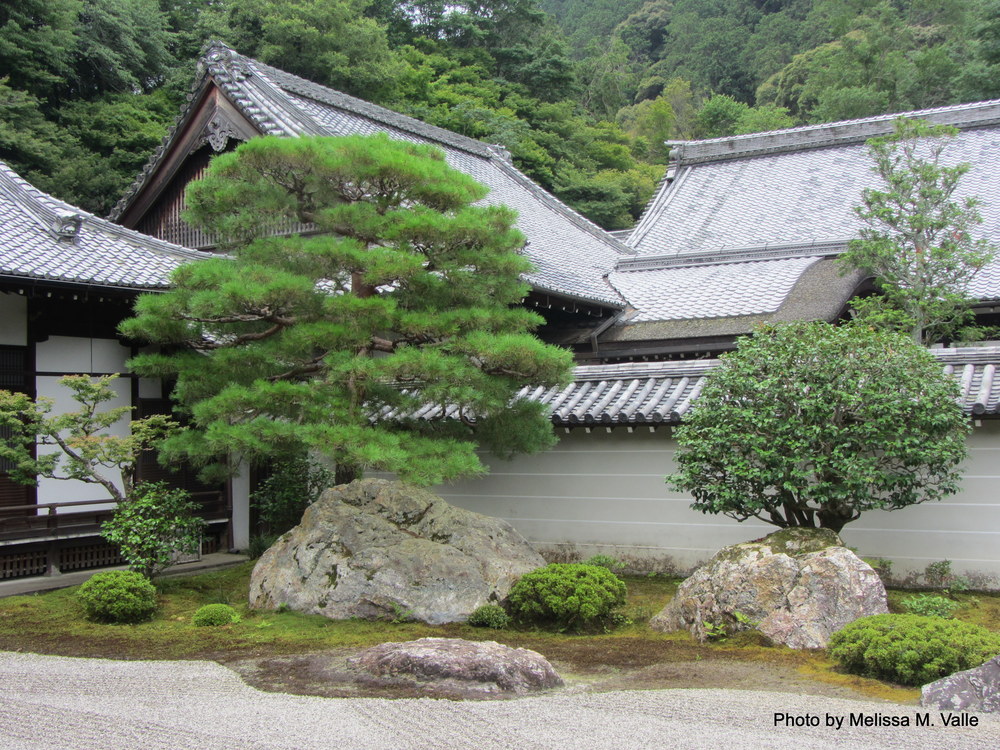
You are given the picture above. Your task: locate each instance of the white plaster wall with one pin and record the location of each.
(603, 492)
(13, 320)
(240, 488)
(72, 355)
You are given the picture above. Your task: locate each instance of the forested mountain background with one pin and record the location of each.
(582, 92)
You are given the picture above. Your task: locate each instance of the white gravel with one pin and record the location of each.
(93, 704)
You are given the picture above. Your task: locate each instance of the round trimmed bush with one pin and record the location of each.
(215, 615)
(489, 616)
(911, 649)
(569, 596)
(118, 596)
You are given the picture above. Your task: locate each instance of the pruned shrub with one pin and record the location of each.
(153, 526)
(911, 649)
(570, 596)
(606, 561)
(118, 596)
(489, 616)
(215, 615)
(930, 605)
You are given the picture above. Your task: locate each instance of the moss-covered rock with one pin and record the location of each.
(797, 586)
(376, 549)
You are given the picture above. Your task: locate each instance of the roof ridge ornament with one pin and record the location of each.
(219, 58)
(501, 151)
(66, 225)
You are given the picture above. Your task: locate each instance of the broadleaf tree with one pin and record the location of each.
(78, 445)
(917, 236)
(401, 296)
(809, 424)
(151, 523)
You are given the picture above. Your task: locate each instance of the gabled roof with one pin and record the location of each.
(739, 218)
(42, 238)
(572, 255)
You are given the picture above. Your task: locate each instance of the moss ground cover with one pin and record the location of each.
(631, 656)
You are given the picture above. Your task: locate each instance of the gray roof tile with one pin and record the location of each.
(652, 392)
(572, 256)
(748, 195)
(92, 251)
(663, 392)
(799, 196)
(710, 291)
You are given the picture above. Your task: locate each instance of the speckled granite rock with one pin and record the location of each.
(377, 549)
(797, 585)
(976, 689)
(486, 666)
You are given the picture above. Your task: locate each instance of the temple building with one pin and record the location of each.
(742, 231)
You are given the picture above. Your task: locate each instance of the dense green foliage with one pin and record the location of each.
(292, 485)
(489, 616)
(606, 561)
(215, 615)
(930, 605)
(77, 445)
(916, 239)
(570, 596)
(911, 649)
(810, 424)
(408, 296)
(118, 596)
(583, 98)
(154, 525)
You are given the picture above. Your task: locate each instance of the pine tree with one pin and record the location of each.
(401, 296)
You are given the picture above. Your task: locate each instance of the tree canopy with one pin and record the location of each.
(401, 296)
(562, 84)
(77, 445)
(810, 424)
(917, 238)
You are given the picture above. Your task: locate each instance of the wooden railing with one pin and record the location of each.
(25, 523)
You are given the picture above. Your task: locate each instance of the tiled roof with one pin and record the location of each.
(663, 392)
(797, 196)
(653, 392)
(44, 238)
(710, 291)
(572, 256)
(777, 194)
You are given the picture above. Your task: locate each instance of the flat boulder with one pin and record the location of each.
(976, 689)
(484, 668)
(376, 549)
(797, 586)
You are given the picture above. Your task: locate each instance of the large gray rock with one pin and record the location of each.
(976, 689)
(377, 549)
(797, 585)
(480, 666)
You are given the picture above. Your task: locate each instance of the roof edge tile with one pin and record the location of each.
(962, 116)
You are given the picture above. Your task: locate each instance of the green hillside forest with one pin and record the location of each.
(583, 93)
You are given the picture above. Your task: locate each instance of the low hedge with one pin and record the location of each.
(568, 596)
(215, 615)
(911, 649)
(118, 596)
(489, 616)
